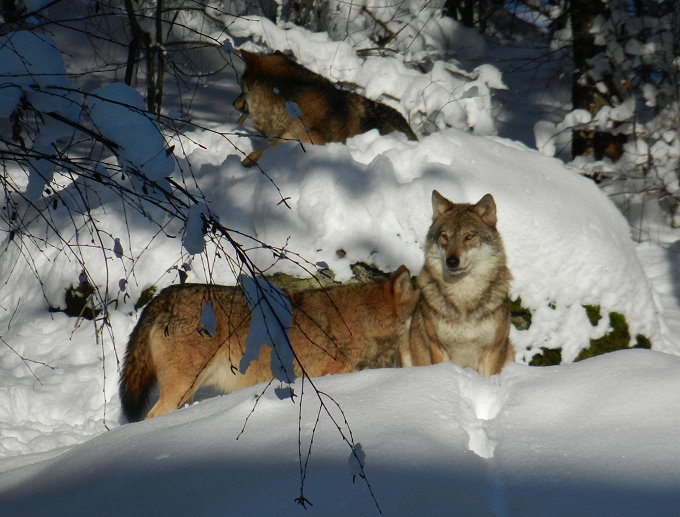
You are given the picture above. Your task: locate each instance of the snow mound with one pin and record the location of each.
(567, 244)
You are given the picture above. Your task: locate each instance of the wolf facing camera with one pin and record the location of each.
(463, 314)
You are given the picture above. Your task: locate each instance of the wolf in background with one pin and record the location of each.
(334, 330)
(289, 102)
(463, 314)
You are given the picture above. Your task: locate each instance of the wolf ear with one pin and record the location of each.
(439, 204)
(250, 59)
(402, 286)
(486, 209)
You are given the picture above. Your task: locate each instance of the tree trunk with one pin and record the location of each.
(461, 10)
(12, 11)
(152, 48)
(584, 93)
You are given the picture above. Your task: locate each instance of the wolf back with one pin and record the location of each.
(335, 330)
(326, 113)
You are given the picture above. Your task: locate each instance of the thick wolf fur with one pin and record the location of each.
(463, 314)
(334, 330)
(328, 114)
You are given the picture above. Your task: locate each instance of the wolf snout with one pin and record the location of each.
(455, 267)
(452, 262)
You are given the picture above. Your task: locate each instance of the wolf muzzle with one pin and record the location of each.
(452, 262)
(453, 266)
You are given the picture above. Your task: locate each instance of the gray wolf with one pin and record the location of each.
(334, 330)
(289, 102)
(463, 314)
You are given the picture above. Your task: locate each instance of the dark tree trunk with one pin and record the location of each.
(461, 10)
(584, 93)
(142, 42)
(12, 11)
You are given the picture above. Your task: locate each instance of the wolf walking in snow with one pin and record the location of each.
(334, 330)
(463, 314)
(289, 102)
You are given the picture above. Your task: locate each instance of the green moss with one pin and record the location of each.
(146, 296)
(519, 316)
(362, 272)
(78, 301)
(618, 338)
(594, 314)
(366, 273)
(288, 282)
(548, 357)
(642, 342)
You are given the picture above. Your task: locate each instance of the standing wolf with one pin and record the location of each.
(289, 102)
(462, 315)
(334, 330)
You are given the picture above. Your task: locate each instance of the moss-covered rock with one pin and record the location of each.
(79, 300)
(145, 296)
(362, 272)
(520, 316)
(548, 357)
(366, 273)
(593, 313)
(618, 338)
(324, 278)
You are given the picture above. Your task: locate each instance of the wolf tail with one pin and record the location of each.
(386, 119)
(139, 372)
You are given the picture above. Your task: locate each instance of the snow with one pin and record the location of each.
(270, 323)
(613, 453)
(590, 438)
(117, 113)
(33, 67)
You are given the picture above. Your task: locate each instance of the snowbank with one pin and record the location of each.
(615, 457)
(567, 244)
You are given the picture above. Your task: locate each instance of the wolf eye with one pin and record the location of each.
(443, 238)
(470, 236)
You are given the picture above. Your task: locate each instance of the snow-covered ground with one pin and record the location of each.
(590, 438)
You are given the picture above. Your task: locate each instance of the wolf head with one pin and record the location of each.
(257, 67)
(273, 71)
(463, 239)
